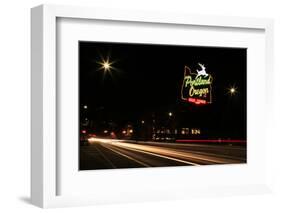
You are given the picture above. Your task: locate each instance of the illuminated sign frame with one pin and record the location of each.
(197, 87)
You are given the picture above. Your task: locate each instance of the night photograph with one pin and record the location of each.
(156, 105)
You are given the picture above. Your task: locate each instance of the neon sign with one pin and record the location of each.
(197, 87)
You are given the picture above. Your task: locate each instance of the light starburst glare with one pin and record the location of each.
(232, 90)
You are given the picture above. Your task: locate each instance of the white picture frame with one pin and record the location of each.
(44, 153)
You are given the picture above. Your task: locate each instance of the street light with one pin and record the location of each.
(85, 107)
(232, 90)
(106, 64)
(170, 114)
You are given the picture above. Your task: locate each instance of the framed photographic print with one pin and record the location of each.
(149, 106)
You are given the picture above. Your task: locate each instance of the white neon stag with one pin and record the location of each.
(202, 71)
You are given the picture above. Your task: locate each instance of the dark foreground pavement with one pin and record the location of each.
(111, 154)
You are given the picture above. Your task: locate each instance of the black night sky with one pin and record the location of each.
(145, 81)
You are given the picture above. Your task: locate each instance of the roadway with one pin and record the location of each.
(111, 154)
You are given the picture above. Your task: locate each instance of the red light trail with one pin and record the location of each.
(211, 140)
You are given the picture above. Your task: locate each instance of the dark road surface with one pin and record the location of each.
(110, 154)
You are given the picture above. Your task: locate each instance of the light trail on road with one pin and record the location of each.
(175, 154)
(113, 153)
(158, 155)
